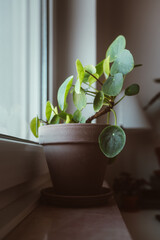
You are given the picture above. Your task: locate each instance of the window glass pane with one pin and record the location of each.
(20, 65)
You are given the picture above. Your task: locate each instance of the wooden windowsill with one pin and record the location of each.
(49, 222)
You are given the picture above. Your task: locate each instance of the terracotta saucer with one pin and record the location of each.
(48, 196)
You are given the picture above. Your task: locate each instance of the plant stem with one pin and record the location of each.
(108, 117)
(98, 114)
(91, 87)
(106, 101)
(115, 116)
(119, 100)
(138, 65)
(43, 121)
(90, 94)
(54, 111)
(95, 78)
(106, 104)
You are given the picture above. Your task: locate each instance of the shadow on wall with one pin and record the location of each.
(143, 37)
(152, 108)
(137, 158)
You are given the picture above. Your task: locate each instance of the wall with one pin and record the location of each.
(139, 22)
(76, 38)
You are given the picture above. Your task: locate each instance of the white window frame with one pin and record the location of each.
(23, 167)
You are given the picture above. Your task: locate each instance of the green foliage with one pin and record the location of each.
(89, 69)
(116, 47)
(77, 116)
(99, 68)
(79, 99)
(106, 67)
(82, 120)
(62, 115)
(49, 111)
(81, 73)
(63, 93)
(117, 63)
(124, 63)
(98, 101)
(55, 119)
(132, 90)
(93, 78)
(68, 118)
(34, 125)
(113, 85)
(112, 140)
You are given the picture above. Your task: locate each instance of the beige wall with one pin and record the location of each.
(76, 38)
(139, 22)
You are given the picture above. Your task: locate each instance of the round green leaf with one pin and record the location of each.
(124, 63)
(132, 90)
(62, 115)
(56, 110)
(116, 47)
(55, 119)
(80, 71)
(49, 111)
(77, 116)
(79, 100)
(63, 92)
(34, 125)
(68, 118)
(88, 69)
(77, 86)
(113, 85)
(106, 67)
(99, 68)
(98, 101)
(112, 140)
(92, 79)
(82, 120)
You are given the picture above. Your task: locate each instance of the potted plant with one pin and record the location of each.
(77, 151)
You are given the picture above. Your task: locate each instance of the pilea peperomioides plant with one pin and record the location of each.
(117, 64)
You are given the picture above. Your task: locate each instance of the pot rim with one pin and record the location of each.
(70, 133)
(74, 124)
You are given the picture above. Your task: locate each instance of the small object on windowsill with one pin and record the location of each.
(158, 217)
(49, 196)
(150, 199)
(127, 191)
(155, 180)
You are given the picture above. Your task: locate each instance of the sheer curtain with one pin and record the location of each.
(20, 65)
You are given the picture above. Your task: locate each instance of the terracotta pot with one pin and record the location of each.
(76, 163)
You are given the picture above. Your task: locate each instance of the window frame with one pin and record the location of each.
(26, 154)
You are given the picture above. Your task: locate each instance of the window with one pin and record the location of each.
(23, 62)
(23, 93)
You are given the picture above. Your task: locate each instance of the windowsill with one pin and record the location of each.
(142, 224)
(23, 173)
(49, 222)
(12, 138)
